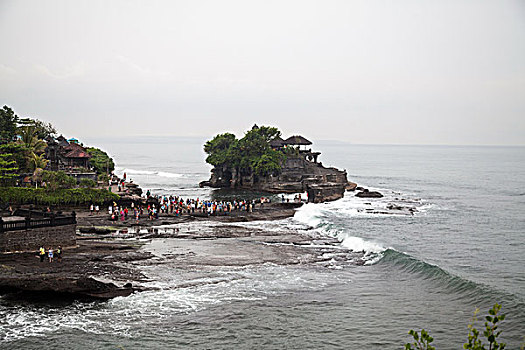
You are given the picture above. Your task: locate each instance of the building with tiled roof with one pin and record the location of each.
(64, 155)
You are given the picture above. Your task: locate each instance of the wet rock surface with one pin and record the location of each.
(83, 271)
(126, 259)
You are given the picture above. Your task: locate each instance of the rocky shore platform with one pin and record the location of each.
(113, 263)
(89, 270)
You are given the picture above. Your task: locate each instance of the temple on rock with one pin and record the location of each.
(300, 171)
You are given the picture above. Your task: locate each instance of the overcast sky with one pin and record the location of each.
(401, 72)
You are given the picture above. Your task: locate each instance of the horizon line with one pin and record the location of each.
(318, 140)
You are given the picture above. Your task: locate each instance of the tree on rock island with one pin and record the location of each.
(249, 156)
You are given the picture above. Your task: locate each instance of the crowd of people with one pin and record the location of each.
(178, 206)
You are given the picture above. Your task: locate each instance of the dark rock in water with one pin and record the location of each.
(95, 229)
(205, 184)
(133, 189)
(365, 193)
(359, 188)
(351, 186)
(392, 206)
(326, 192)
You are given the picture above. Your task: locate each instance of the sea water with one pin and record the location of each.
(446, 238)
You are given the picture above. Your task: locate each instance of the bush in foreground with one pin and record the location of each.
(423, 340)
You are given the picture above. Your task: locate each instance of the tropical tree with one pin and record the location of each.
(8, 169)
(29, 137)
(8, 125)
(19, 153)
(250, 155)
(219, 149)
(42, 129)
(38, 162)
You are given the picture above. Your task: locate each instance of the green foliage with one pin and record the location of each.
(87, 183)
(8, 125)
(35, 147)
(100, 161)
(423, 340)
(19, 153)
(39, 196)
(491, 332)
(38, 162)
(250, 154)
(268, 163)
(103, 177)
(42, 129)
(8, 169)
(29, 137)
(291, 151)
(57, 180)
(219, 149)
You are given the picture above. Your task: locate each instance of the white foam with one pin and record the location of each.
(171, 175)
(129, 171)
(358, 244)
(310, 214)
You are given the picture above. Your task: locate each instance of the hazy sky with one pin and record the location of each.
(423, 72)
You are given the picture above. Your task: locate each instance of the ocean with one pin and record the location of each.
(461, 249)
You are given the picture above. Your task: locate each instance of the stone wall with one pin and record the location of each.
(32, 239)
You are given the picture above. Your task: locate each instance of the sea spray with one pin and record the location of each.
(317, 216)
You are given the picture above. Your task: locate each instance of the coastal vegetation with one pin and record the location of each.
(423, 340)
(252, 154)
(25, 147)
(100, 161)
(42, 196)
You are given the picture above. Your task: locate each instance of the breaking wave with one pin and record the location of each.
(131, 172)
(323, 218)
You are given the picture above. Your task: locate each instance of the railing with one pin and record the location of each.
(32, 213)
(29, 223)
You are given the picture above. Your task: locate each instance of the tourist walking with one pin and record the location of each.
(42, 253)
(50, 254)
(59, 254)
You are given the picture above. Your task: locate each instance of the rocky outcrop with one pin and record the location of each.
(351, 186)
(92, 270)
(365, 193)
(318, 193)
(133, 189)
(297, 175)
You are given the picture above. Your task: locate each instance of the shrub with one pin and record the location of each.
(39, 196)
(100, 161)
(58, 180)
(87, 183)
(423, 340)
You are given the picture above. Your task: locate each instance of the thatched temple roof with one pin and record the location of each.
(297, 140)
(277, 142)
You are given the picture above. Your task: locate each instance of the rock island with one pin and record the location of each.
(263, 161)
